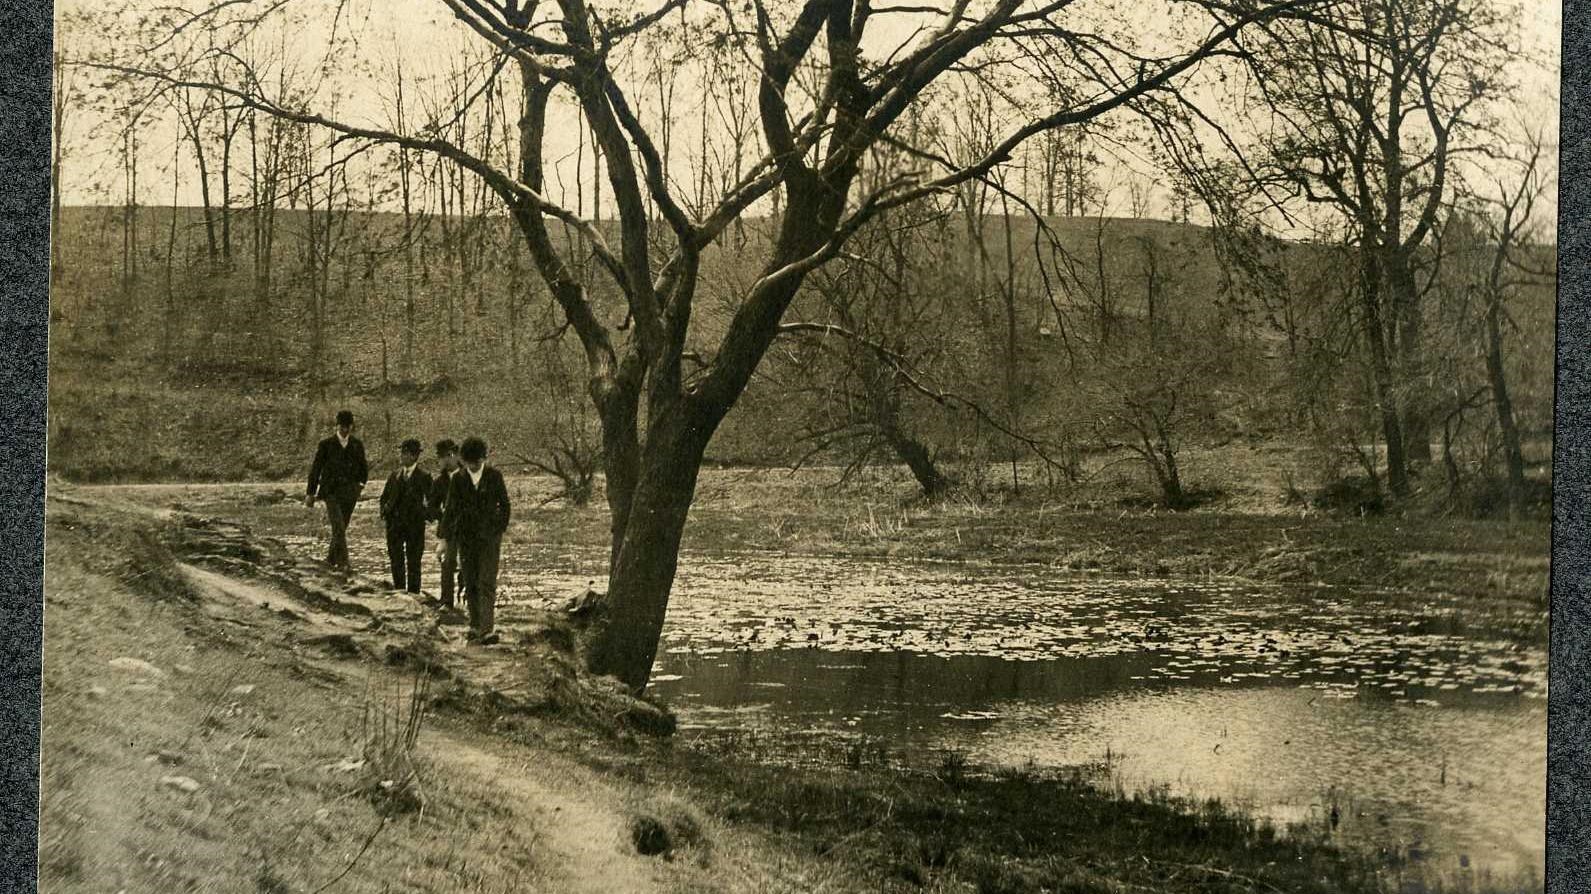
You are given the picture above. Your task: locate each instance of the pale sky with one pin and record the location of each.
(426, 37)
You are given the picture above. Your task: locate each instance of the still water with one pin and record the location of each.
(1423, 737)
(1427, 738)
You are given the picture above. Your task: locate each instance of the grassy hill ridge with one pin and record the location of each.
(202, 370)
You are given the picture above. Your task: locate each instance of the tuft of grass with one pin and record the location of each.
(953, 766)
(667, 825)
(390, 731)
(879, 525)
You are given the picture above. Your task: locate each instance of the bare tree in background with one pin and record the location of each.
(881, 322)
(568, 441)
(1374, 101)
(1500, 218)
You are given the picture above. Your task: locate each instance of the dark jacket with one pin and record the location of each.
(474, 512)
(403, 502)
(337, 468)
(438, 497)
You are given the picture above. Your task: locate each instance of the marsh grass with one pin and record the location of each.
(952, 824)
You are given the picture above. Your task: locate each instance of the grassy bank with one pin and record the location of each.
(201, 734)
(200, 739)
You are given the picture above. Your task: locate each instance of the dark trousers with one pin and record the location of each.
(478, 575)
(450, 572)
(405, 544)
(339, 509)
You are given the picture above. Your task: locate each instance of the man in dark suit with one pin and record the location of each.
(447, 552)
(337, 476)
(403, 509)
(476, 515)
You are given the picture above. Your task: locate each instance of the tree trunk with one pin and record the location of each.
(917, 458)
(621, 456)
(646, 551)
(1171, 485)
(1404, 303)
(169, 328)
(1013, 399)
(194, 134)
(317, 325)
(409, 326)
(1513, 452)
(229, 132)
(254, 202)
(881, 384)
(1449, 464)
(130, 208)
(1381, 376)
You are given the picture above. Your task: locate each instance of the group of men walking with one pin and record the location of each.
(467, 498)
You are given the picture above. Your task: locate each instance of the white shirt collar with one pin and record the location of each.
(475, 477)
(408, 470)
(342, 440)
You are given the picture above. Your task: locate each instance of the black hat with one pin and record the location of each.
(446, 447)
(412, 445)
(474, 449)
(345, 417)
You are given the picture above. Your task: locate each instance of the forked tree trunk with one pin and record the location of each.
(646, 550)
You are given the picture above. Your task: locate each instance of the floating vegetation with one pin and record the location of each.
(1214, 633)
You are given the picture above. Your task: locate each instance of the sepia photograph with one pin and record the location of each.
(799, 446)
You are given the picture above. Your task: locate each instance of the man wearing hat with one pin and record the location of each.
(447, 550)
(403, 509)
(476, 515)
(337, 476)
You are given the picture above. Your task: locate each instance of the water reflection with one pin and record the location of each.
(1386, 724)
(1463, 783)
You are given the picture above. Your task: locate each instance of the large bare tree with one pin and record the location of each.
(833, 79)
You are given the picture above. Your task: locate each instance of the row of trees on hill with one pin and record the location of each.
(898, 225)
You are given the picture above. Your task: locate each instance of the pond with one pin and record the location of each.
(1381, 721)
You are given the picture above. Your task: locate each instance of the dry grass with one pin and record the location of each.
(223, 756)
(391, 732)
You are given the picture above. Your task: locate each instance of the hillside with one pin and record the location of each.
(450, 333)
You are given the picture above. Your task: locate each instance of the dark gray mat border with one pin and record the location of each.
(24, 228)
(24, 277)
(1569, 703)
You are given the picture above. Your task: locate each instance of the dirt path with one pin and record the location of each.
(582, 822)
